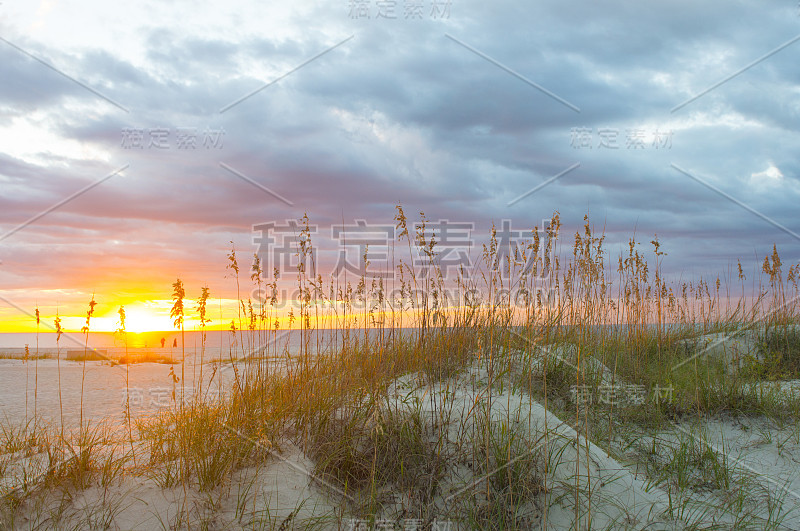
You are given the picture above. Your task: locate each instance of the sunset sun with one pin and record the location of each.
(142, 319)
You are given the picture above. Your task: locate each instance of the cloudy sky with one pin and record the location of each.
(138, 139)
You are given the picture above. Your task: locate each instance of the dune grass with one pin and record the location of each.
(608, 345)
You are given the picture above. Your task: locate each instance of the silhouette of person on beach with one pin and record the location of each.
(163, 340)
(175, 343)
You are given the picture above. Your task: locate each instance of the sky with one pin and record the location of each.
(140, 142)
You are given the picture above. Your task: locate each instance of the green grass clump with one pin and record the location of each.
(509, 497)
(778, 355)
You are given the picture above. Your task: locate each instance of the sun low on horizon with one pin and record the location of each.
(140, 317)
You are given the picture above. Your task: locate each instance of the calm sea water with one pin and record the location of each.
(51, 388)
(218, 343)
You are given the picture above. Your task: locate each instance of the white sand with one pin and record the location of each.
(613, 493)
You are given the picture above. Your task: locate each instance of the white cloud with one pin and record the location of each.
(771, 176)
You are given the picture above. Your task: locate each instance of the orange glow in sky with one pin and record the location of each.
(147, 316)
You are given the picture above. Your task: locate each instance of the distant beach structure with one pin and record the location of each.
(89, 355)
